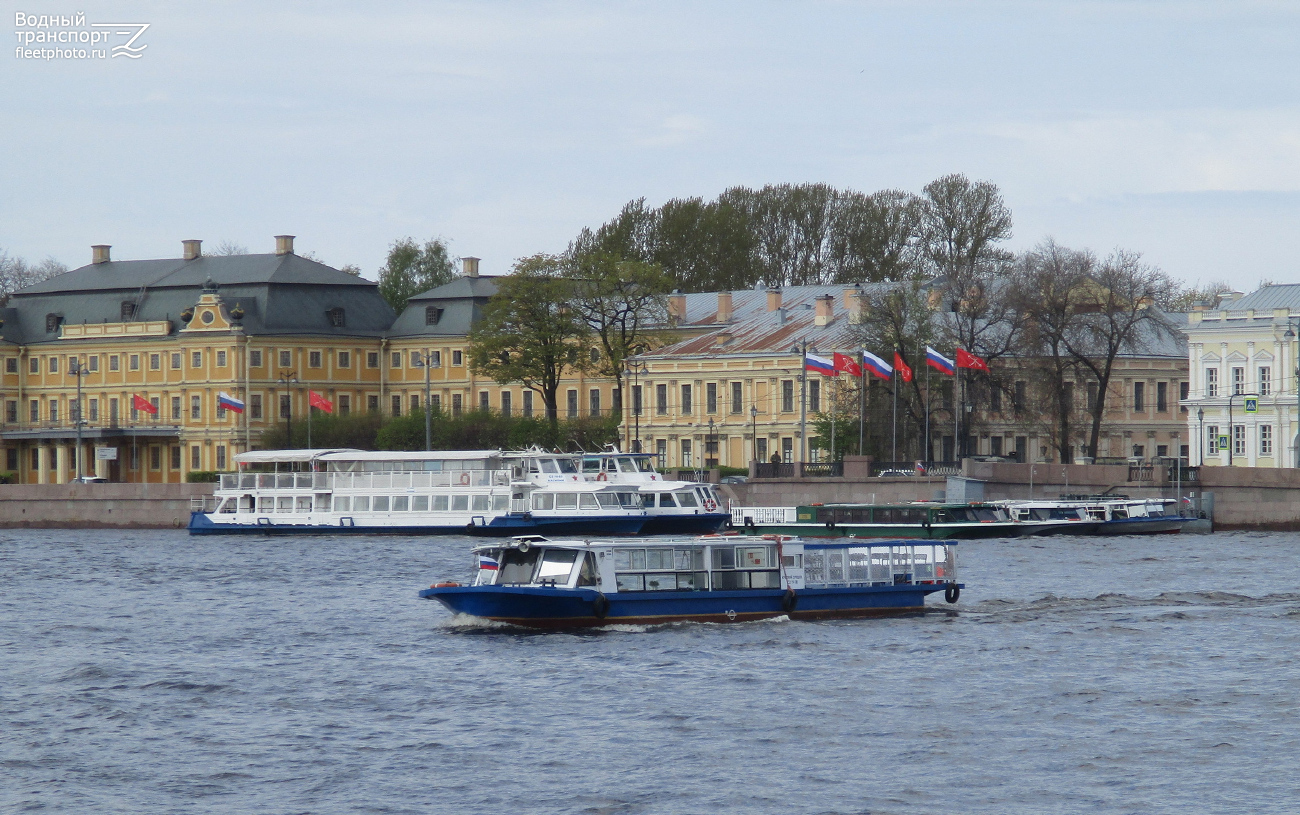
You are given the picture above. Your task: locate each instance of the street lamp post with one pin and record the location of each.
(428, 360)
(753, 420)
(287, 380)
(1200, 417)
(711, 447)
(1232, 431)
(635, 367)
(79, 371)
(801, 348)
(1291, 324)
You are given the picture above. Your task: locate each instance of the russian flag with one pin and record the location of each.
(821, 365)
(487, 563)
(938, 361)
(876, 365)
(225, 400)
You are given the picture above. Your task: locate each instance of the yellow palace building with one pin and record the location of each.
(78, 350)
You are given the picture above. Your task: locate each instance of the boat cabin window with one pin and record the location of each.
(556, 566)
(687, 498)
(666, 500)
(567, 465)
(379, 503)
(440, 503)
(631, 500)
(543, 500)
(566, 500)
(401, 503)
(419, 503)
(517, 566)
(460, 503)
(608, 500)
(361, 503)
(481, 502)
(548, 465)
(588, 501)
(590, 466)
(587, 574)
(661, 569)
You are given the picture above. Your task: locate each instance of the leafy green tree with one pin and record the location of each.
(487, 430)
(412, 269)
(531, 331)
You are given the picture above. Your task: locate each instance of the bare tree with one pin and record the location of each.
(16, 273)
(1118, 305)
(228, 247)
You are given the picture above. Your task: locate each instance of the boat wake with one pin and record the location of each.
(1052, 604)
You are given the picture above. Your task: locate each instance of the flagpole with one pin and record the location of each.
(956, 412)
(803, 407)
(835, 380)
(894, 454)
(309, 410)
(862, 404)
(928, 445)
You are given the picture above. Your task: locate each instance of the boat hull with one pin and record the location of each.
(702, 524)
(540, 607)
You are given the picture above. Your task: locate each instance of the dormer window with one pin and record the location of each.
(128, 311)
(432, 314)
(52, 322)
(336, 317)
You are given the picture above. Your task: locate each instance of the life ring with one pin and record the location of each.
(710, 504)
(464, 479)
(451, 584)
(952, 593)
(600, 606)
(789, 601)
(602, 477)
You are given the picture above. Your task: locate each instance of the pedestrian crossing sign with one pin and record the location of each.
(1252, 405)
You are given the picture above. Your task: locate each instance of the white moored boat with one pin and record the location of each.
(482, 492)
(672, 507)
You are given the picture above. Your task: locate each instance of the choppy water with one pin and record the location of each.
(153, 672)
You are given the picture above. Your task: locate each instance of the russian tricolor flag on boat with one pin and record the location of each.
(938, 361)
(225, 400)
(821, 365)
(876, 365)
(490, 564)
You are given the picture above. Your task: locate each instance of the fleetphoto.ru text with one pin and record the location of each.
(71, 37)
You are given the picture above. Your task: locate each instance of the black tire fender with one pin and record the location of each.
(953, 593)
(600, 606)
(789, 601)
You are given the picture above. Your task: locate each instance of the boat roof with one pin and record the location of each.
(269, 456)
(408, 455)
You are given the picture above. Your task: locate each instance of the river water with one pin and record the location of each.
(151, 672)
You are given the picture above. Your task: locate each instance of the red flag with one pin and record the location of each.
(968, 360)
(844, 362)
(317, 401)
(901, 367)
(141, 403)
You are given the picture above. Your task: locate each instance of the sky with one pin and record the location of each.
(1169, 128)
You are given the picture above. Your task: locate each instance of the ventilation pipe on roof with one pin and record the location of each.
(284, 244)
(191, 249)
(469, 266)
(99, 253)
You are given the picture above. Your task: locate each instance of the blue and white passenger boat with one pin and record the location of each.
(542, 583)
(672, 507)
(483, 492)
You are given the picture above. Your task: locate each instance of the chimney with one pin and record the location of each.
(469, 267)
(773, 298)
(99, 253)
(825, 310)
(724, 306)
(284, 244)
(192, 249)
(934, 299)
(676, 307)
(853, 303)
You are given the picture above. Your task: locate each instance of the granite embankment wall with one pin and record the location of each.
(1243, 497)
(134, 506)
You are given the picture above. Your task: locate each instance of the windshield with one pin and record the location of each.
(567, 465)
(556, 565)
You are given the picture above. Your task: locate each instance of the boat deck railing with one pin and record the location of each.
(363, 481)
(750, 516)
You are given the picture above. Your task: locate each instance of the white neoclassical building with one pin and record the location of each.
(1242, 395)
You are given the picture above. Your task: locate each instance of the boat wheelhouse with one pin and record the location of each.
(536, 582)
(930, 521)
(440, 492)
(672, 507)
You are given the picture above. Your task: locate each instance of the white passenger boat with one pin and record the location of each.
(1100, 515)
(672, 507)
(483, 492)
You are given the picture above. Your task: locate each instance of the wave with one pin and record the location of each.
(1109, 600)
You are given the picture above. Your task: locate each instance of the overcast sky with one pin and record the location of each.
(1168, 128)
